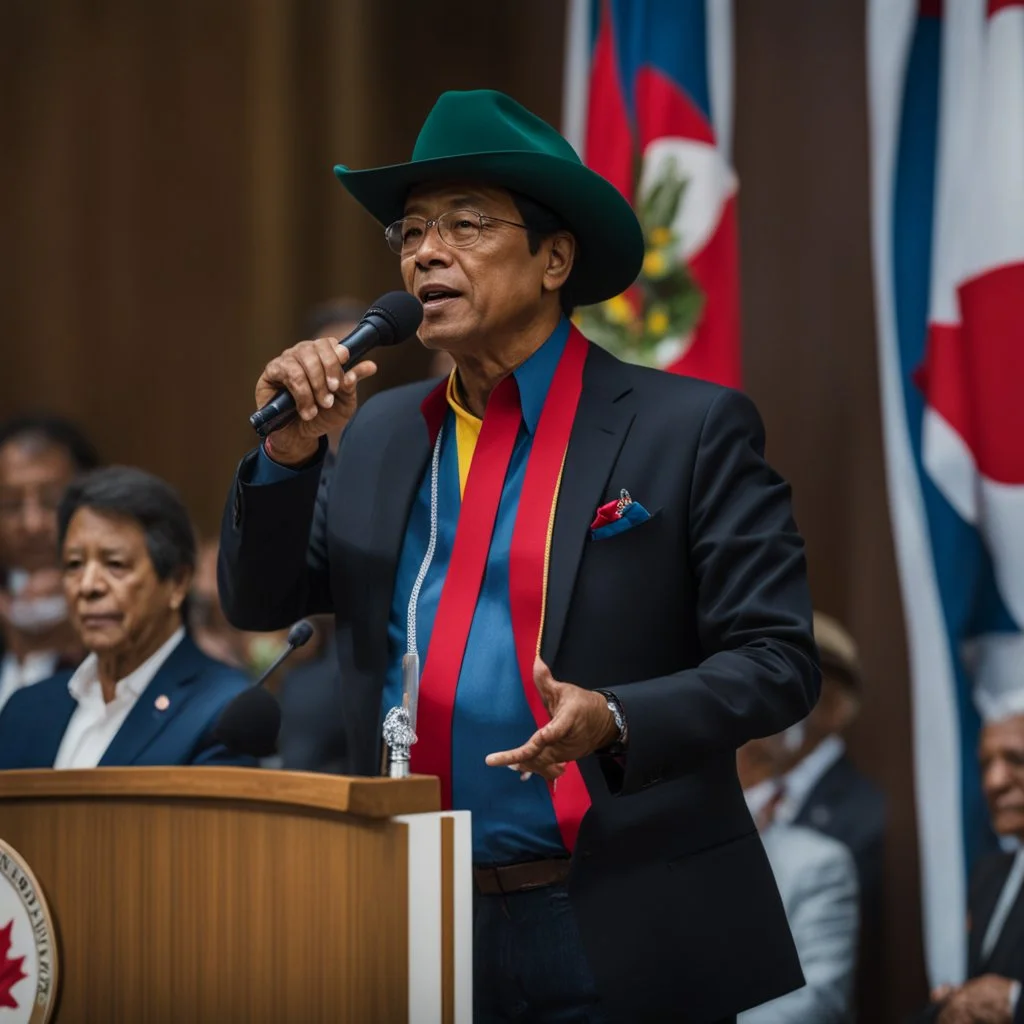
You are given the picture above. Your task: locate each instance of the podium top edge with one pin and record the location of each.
(345, 794)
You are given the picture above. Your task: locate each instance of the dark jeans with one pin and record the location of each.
(529, 963)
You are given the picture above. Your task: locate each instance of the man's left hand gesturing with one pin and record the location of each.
(581, 723)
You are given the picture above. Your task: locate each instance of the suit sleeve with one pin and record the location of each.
(217, 755)
(823, 919)
(270, 570)
(10, 732)
(760, 671)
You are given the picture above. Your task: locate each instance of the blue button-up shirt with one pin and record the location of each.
(512, 820)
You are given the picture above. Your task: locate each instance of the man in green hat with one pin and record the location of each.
(580, 570)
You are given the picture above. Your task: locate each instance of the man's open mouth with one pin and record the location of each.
(434, 296)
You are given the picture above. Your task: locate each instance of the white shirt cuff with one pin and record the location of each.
(1014, 996)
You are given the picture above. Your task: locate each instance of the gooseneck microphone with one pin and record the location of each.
(391, 319)
(249, 723)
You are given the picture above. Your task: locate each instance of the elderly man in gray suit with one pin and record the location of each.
(817, 878)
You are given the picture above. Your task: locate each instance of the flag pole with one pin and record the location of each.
(576, 72)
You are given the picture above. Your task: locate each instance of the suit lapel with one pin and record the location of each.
(602, 422)
(45, 743)
(603, 419)
(146, 721)
(980, 914)
(1006, 956)
(1006, 951)
(403, 463)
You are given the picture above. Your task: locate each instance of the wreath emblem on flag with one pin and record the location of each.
(652, 321)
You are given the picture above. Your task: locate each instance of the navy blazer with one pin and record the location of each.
(34, 720)
(1007, 958)
(848, 806)
(699, 620)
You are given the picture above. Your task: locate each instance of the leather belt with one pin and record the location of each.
(512, 878)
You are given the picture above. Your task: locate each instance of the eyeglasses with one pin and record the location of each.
(457, 228)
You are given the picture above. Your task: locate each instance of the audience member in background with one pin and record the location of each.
(995, 948)
(36, 630)
(825, 791)
(39, 455)
(817, 878)
(213, 634)
(145, 695)
(307, 685)
(823, 788)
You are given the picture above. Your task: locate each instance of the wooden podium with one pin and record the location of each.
(227, 895)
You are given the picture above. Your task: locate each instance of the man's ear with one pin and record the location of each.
(181, 584)
(561, 254)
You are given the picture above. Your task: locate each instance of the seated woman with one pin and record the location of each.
(145, 694)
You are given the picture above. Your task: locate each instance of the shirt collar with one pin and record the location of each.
(84, 684)
(535, 375)
(759, 796)
(533, 378)
(803, 777)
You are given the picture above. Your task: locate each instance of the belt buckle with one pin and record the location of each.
(487, 880)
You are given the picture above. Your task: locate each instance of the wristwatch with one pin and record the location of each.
(621, 724)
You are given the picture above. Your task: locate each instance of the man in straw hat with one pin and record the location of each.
(597, 570)
(824, 790)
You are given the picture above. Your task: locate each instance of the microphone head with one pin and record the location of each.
(402, 314)
(300, 633)
(249, 724)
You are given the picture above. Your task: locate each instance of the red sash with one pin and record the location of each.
(528, 567)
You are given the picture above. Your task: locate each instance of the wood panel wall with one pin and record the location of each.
(167, 200)
(810, 364)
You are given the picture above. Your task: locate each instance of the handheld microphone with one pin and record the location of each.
(249, 723)
(391, 319)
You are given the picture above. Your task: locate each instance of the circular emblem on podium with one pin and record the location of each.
(28, 947)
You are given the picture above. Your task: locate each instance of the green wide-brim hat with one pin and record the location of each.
(485, 136)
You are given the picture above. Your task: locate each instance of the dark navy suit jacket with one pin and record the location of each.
(699, 620)
(34, 720)
(848, 806)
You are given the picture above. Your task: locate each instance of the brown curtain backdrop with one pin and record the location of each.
(169, 212)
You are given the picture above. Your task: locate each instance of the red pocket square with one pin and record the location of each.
(607, 514)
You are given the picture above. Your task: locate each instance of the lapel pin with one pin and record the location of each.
(162, 703)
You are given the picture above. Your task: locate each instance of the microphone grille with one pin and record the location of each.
(300, 633)
(249, 723)
(402, 312)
